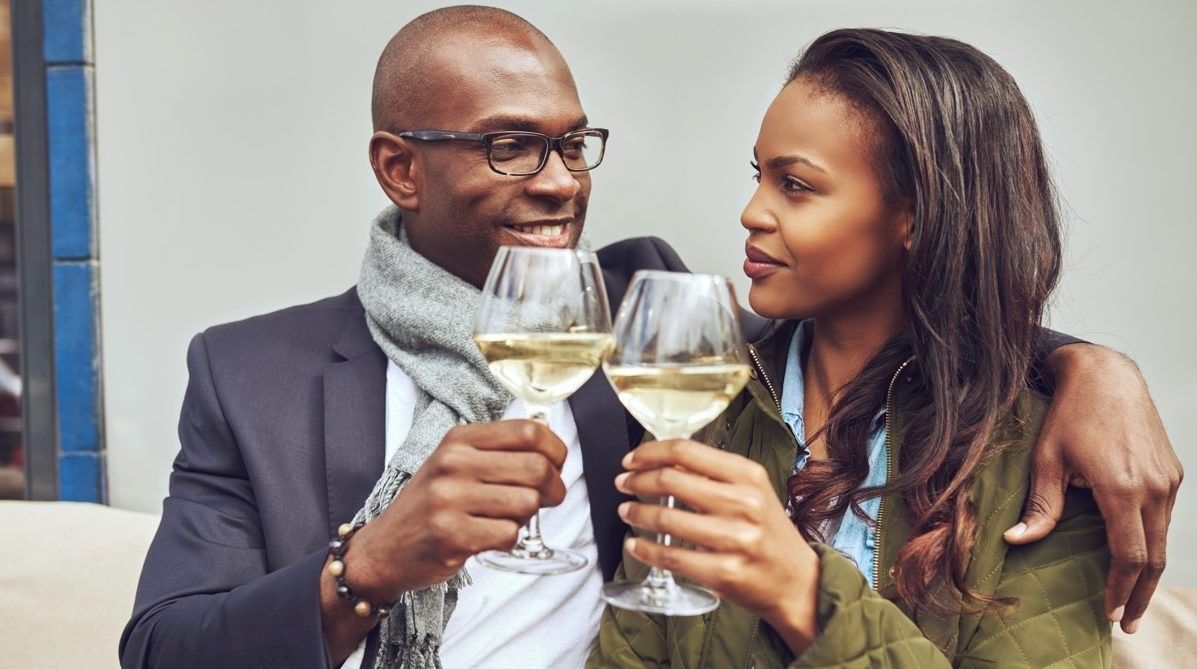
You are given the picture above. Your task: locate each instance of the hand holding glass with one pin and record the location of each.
(678, 361)
(543, 326)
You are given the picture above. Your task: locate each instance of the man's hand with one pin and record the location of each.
(1102, 432)
(473, 494)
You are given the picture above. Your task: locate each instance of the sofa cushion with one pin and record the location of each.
(68, 573)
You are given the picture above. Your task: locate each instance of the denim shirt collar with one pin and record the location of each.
(853, 536)
(793, 391)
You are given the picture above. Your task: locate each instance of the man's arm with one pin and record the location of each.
(1103, 432)
(207, 599)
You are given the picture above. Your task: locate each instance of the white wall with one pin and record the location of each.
(233, 174)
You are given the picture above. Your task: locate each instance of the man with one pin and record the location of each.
(290, 418)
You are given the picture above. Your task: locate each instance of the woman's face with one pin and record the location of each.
(821, 237)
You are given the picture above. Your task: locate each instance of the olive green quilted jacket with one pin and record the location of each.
(1059, 582)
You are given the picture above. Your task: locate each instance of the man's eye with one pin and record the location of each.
(575, 146)
(508, 148)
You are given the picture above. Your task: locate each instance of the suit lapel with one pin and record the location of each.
(603, 435)
(354, 421)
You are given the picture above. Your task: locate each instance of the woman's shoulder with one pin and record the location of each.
(1007, 464)
(1002, 482)
(1020, 427)
(1015, 434)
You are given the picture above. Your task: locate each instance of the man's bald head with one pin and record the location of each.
(412, 72)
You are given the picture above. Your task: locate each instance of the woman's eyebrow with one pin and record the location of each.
(782, 161)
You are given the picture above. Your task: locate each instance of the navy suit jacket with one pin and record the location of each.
(282, 438)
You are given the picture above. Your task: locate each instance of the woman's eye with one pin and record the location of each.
(756, 171)
(795, 185)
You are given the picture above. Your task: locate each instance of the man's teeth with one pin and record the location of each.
(544, 230)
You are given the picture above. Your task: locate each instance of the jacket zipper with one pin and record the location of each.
(889, 445)
(764, 377)
(760, 367)
(889, 466)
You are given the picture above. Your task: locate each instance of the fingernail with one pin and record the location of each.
(630, 544)
(627, 459)
(1016, 531)
(1116, 614)
(619, 480)
(1132, 626)
(623, 510)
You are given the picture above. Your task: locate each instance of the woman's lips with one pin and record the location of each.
(759, 264)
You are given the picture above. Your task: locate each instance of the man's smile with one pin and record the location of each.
(548, 233)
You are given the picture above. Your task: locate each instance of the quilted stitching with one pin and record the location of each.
(1060, 579)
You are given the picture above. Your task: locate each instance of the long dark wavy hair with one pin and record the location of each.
(955, 141)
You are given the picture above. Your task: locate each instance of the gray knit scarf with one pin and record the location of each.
(422, 318)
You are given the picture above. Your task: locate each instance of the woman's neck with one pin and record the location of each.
(841, 345)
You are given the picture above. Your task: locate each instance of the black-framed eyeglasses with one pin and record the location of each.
(521, 153)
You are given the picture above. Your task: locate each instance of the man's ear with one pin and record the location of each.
(398, 170)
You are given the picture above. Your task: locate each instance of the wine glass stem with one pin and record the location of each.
(660, 581)
(659, 585)
(531, 542)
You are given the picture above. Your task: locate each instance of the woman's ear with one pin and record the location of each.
(398, 169)
(906, 225)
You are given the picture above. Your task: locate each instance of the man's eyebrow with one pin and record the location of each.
(504, 122)
(782, 161)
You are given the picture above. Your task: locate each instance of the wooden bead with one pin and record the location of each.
(336, 567)
(344, 529)
(362, 608)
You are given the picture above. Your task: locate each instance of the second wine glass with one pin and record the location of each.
(544, 326)
(678, 361)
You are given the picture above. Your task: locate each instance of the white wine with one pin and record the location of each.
(675, 401)
(544, 368)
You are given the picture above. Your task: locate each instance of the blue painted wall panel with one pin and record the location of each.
(72, 170)
(70, 121)
(76, 358)
(81, 478)
(67, 31)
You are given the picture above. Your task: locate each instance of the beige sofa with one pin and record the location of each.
(68, 573)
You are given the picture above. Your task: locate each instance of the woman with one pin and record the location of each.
(905, 234)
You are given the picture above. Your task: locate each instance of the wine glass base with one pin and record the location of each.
(674, 600)
(543, 562)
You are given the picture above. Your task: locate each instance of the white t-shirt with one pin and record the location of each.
(507, 620)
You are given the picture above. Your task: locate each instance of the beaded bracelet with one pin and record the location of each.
(336, 567)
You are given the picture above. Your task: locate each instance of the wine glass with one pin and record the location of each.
(678, 360)
(544, 327)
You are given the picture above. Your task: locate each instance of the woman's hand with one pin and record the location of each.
(748, 550)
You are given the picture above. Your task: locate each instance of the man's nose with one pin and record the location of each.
(554, 180)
